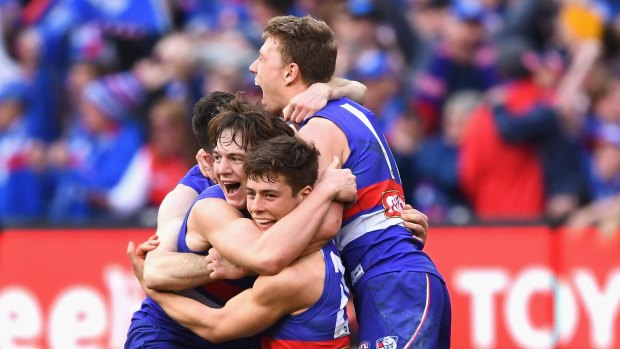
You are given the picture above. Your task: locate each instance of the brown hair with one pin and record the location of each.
(306, 41)
(291, 157)
(204, 110)
(250, 121)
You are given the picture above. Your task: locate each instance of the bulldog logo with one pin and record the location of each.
(393, 203)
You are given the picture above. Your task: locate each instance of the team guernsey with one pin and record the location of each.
(323, 325)
(151, 327)
(373, 239)
(195, 180)
(400, 297)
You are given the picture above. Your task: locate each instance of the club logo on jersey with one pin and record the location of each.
(393, 203)
(387, 342)
(364, 345)
(356, 274)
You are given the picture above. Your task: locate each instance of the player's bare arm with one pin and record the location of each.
(175, 204)
(293, 290)
(166, 268)
(308, 102)
(265, 253)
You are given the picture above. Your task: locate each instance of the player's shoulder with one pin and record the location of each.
(319, 128)
(212, 213)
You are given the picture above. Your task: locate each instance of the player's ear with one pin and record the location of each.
(304, 192)
(292, 74)
(209, 158)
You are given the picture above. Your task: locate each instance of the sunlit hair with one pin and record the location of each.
(247, 121)
(291, 158)
(306, 41)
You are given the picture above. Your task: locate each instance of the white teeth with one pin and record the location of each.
(255, 82)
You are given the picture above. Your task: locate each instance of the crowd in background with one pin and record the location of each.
(497, 110)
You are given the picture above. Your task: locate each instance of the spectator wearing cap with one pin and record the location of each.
(21, 183)
(461, 60)
(98, 150)
(378, 70)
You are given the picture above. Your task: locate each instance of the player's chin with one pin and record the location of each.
(236, 201)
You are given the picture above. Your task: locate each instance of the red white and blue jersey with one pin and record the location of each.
(325, 324)
(373, 239)
(152, 325)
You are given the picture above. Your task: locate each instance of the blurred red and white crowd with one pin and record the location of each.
(497, 110)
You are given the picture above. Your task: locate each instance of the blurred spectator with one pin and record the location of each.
(176, 57)
(462, 60)
(580, 28)
(504, 180)
(543, 127)
(424, 50)
(96, 154)
(529, 19)
(21, 186)
(437, 192)
(42, 81)
(133, 26)
(604, 164)
(378, 70)
(427, 19)
(156, 169)
(604, 183)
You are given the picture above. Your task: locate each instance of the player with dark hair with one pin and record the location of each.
(238, 127)
(303, 306)
(400, 297)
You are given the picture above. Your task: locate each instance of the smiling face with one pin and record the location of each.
(228, 168)
(270, 201)
(270, 75)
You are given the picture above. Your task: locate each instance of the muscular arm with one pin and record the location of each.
(340, 87)
(271, 251)
(247, 314)
(175, 204)
(265, 253)
(164, 267)
(308, 102)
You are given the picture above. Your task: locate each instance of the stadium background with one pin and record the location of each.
(527, 266)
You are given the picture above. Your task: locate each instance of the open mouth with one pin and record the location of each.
(232, 188)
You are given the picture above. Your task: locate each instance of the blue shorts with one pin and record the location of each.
(403, 310)
(145, 334)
